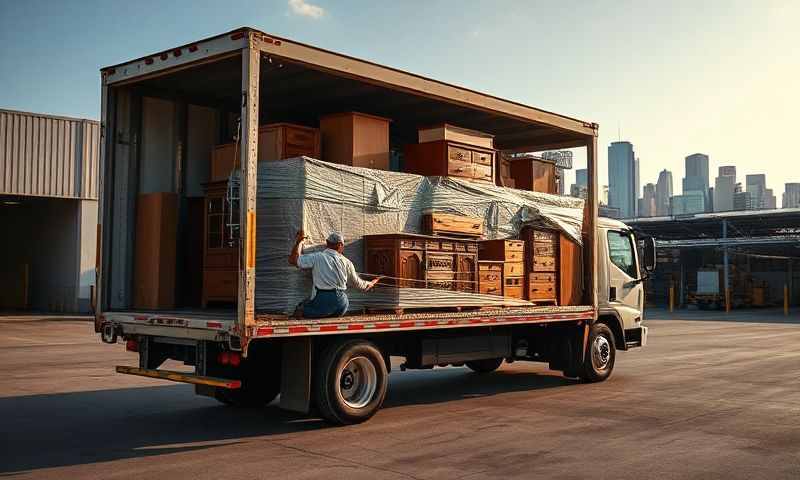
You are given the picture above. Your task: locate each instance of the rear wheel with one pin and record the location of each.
(598, 363)
(485, 366)
(350, 382)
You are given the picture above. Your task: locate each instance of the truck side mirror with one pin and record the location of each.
(649, 260)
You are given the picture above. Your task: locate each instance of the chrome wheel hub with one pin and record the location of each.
(358, 382)
(601, 352)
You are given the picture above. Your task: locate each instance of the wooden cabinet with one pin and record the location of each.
(541, 265)
(156, 243)
(355, 139)
(570, 287)
(422, 261)
(220, 248)
(279, 141)
(446, 158)
(223, 161)
(535, 174)
(510, 255)
(490, 277)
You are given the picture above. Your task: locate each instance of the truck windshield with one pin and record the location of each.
(620, 250)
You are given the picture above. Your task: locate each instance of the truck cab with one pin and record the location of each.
(625, 261)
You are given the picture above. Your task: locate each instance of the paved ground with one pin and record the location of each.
(706, 399)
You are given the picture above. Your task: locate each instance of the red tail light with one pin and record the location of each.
(132, 345)
(236, 359)
(224, 358)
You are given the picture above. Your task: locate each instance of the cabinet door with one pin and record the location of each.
(410, 271)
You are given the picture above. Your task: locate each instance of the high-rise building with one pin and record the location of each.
(791, 196)
(756, 188)
(636, 188)
(622, 192)
(580, 188)
(647, 204)
(691, 202)
(663, 192)
(696, 178)
(769, 199)
(741, 199)
(724, 188)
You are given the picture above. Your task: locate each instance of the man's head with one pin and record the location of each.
(335, 241)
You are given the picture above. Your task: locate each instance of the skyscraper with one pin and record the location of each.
(696, 179)
(756, 188)
(580, 187)
(636, 188)
(663, 192)
(724, 188)
(621, 178)
(791, 196)
(647, 204)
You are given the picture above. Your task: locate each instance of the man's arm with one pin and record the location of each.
(298, 244)
(355, 280)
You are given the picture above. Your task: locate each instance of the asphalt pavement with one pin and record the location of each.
(707, 398)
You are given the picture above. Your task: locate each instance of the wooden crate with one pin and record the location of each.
(535, 174)
(454, 225)
(455, 134)
(279, 141)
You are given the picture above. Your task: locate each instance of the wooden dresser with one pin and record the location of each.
(423, 261)
(447, 158)
(490, 277)
(279, 141)
(220, 251)
(356, 139)
(533, 173)
(541, 264)
(511, 254)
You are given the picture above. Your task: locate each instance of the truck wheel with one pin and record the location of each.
(598, 362)
(488, 365)
(350, 382)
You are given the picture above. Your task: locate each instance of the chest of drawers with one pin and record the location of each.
(541, 264)
(509, 254)
(422, 261)
(446, 158)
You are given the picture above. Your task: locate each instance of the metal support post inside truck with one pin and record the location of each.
(184, 102)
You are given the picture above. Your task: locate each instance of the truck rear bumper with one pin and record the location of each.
(181, 377)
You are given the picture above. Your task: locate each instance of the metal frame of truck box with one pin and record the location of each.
(534, 130)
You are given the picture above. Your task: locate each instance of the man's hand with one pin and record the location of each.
(301, 235)
(373, 283)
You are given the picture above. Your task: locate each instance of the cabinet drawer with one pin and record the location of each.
(483, 172)
(412, 244)
(513, 291)
(542, 277)
(513, 269)
(544, 264)
(439, 262)
(490, 277)
(512, 281)
(544, 250)
(490, 288)
(482, 158)
(457, 168)
(300, 138)
(542, 291)
(458, 154)
(544, 236)
(218, 284)
(513, 256)
(495, 267)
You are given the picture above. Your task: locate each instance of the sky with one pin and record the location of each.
(718, 77)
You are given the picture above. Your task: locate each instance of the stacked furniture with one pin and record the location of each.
(490, 277)
(508, 255)
(452, 151)
(504, 178)
(454, 225)
(276, 141)
(423, 261)
(541, 264)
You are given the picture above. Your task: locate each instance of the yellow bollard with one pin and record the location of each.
(786, 300)
(727, 300)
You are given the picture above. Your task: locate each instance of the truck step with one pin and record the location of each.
(180, 377)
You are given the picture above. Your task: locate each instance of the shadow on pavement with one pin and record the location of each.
(44, 431)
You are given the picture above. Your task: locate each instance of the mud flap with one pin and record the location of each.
(296, 375)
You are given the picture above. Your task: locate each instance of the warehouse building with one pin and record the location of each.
(49, 171)
(754, 255)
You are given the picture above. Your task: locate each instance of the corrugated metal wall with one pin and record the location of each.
(48, 156)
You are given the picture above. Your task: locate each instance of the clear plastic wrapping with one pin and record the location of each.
(320, 197)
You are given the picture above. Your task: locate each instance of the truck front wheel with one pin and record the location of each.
(488, 365)
(350, 382)
(598, 363)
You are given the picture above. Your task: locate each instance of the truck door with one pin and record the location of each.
(626, 292)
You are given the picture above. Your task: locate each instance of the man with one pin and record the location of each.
(331, 272)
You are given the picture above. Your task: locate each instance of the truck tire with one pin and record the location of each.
(598, 363)
(488, 365)
(350, 382)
